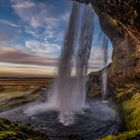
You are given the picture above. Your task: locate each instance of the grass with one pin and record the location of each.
(132, 112)
(11, 96)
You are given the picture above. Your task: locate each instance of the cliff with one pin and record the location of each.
(120, 20)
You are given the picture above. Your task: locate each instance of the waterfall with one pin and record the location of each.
(68, 94)
(84, 48)
(104, 72)
(62, 93)
(103, 42)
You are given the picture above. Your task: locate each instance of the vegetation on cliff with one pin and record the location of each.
(128, 98)
(129, 135)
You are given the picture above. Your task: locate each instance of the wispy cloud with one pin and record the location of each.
(23, 4)
(16, 55)
(10, 69)
(9, 23)
(39, 16)
(43, 48)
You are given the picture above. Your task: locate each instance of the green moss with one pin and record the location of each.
(123, 136)
(95, 91)
(132, 112)
(8, 135)
(14, 131)
(128, 97)
(124, 94)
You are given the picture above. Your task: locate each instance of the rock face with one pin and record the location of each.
(120, 20)
(94, 84)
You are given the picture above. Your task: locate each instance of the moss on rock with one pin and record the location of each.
(129, 135)
(128, 97)
(14, 131)
(132, 112)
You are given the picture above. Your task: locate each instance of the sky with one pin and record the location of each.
(31, 37)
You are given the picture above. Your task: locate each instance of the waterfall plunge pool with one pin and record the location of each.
(96, 120)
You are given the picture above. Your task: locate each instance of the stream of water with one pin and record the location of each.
(68, 94)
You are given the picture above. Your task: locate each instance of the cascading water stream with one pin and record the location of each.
(84, 49)
(62, 94)
(103, 42)
(104, 72)
(68, 94)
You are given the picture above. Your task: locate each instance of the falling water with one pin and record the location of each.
(68, 94)
(103, 42)
(84, 48)
(69, 91)
(104, 72)
(62, 95)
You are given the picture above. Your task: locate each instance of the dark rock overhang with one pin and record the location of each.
(126, 12)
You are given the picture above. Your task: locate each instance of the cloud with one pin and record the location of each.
(43, 47)
(42, 20)
(8, 32)
(6, 35)
(23, 4)
(6, 22)
(10, 69)
(26, 12)
(65, 16)
(17, 55)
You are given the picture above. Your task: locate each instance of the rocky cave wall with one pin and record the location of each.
(120, 20)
